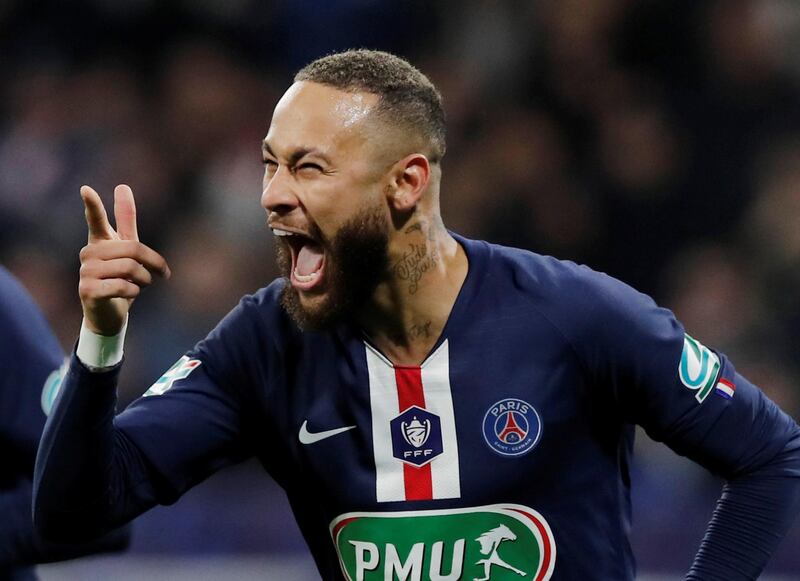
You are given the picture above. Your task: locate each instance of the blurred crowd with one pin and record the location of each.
(656, 140)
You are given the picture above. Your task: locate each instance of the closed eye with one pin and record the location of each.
(309, 168)
(271, 166)
(308, 165)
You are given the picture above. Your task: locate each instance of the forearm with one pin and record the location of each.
(84, 468)
(752, 516)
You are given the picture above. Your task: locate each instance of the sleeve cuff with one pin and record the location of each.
(100, 352)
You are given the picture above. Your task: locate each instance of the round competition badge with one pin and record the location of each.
(52, 385)
(511, 427)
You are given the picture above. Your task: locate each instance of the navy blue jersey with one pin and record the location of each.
(505, 455)
(29, 353)
(30, 357)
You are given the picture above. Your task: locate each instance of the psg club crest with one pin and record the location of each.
(416, 436)
(511, 427)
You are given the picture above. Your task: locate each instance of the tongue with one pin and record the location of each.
(309, 259)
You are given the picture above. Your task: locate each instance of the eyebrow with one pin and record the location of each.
(297, 154)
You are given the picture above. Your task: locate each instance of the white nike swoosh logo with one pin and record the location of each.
(307, 437)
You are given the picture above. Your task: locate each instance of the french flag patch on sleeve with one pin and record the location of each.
(725, 388)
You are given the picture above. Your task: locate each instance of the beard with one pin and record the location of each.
(357, 260)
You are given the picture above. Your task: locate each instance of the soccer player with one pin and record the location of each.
(435, 407)
(30, 358)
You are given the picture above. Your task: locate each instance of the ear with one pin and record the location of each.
(410, 177)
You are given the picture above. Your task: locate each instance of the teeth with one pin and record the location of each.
(278, 232)
(305, 277)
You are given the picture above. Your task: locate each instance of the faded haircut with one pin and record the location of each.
(407, 98)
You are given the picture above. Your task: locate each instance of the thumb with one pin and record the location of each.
(125, 213)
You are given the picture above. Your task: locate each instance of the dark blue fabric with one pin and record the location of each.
(590, 354)
(29, 354)
(755, 511)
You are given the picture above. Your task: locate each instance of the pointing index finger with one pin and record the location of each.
(96, 217)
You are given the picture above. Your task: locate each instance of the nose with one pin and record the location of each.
(278, 194)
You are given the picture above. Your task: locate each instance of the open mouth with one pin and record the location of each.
(308, 258)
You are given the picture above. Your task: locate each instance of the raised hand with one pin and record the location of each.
(115, 266)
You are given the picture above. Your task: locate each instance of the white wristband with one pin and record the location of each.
(99, 352)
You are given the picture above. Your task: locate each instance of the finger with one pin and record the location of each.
(96, 217)
(141, 253)
(125, 268)
(125, 212)
(109, 288)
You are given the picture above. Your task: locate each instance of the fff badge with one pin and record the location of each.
(416, 436)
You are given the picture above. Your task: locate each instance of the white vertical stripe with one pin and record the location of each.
(445, 474)
(384, 404)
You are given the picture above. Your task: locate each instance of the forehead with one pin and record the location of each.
(311, 115)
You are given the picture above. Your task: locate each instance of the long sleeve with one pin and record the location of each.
(752, 516)
(88, 478)
(691, 398)
(96, 471)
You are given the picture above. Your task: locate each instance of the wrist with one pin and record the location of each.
(98, 351)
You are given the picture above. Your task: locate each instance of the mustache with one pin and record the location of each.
(357, 261)
(314, 232)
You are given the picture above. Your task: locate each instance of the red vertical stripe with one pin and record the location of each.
(418, 483)
(409, 387)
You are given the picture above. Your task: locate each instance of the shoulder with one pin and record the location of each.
(21, 320)
(256, 309)
(583, 304)
(266, 301)
(15, 301)
(258, 320)
(558, 284)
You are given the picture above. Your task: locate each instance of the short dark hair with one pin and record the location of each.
(407, 97)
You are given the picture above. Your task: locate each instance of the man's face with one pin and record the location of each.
(322, 192)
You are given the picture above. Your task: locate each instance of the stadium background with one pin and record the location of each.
(657, 140)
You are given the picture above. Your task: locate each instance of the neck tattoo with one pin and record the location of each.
(420, 257)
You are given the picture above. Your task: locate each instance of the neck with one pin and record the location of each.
(408, 312)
